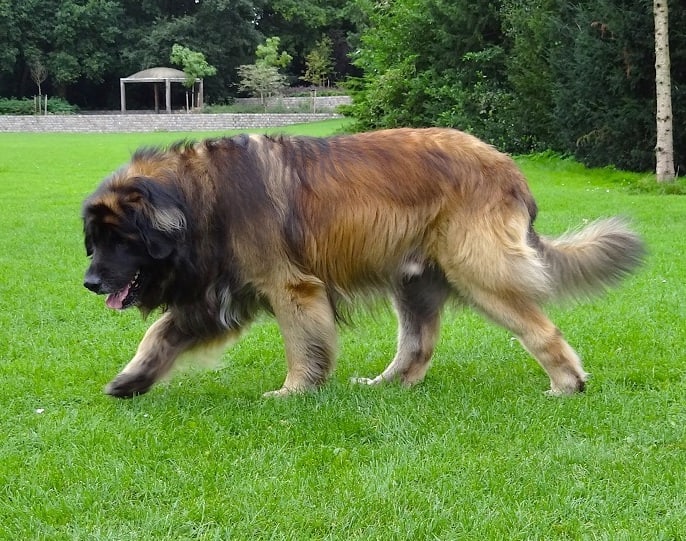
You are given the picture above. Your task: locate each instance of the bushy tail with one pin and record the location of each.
(586, 262)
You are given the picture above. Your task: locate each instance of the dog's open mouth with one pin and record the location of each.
(127, 296)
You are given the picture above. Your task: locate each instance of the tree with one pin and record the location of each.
(267, 53)
(194, 67)
(75, 41)
(9, 45)
(301, 23)
(192, 63)
(80, 40)
(664, 149)
(39, 73)
(577, 78)
(318, 64)
(604, 83)
(261, 80)
(263, 77)
(531, 35)
(434, 62)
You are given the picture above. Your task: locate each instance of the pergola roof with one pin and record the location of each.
(156, 75)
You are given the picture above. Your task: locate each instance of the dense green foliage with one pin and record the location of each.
(476, 452)
(526, 75)
(576, 78)
(605, 83)
(193, 64)
(87, 45)
(302, 23)
(318, 62)
(29, 106)
(426, 63)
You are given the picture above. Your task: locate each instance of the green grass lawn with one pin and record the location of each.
(475, 452)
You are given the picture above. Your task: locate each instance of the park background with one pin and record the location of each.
(572, 77)
(475, 452)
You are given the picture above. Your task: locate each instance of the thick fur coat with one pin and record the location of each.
(217, 230)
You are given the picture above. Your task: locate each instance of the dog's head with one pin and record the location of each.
(135, 229)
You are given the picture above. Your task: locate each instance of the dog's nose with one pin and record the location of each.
(93, 283)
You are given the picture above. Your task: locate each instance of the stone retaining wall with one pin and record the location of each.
(132, 122)
(322, 103)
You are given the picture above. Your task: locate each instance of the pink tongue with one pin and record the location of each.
(116, 300)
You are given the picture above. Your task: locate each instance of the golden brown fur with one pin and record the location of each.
(217, 230)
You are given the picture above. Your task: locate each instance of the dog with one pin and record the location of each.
(215, 231)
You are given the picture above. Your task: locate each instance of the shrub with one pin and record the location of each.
(27, 106)
(14, 106)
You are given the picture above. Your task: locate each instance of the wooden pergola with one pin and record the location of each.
(157, 76)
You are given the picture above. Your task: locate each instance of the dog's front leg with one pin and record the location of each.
(307, 323)
(156, 354)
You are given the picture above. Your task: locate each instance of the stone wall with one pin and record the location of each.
(133, 122)
(323, 103)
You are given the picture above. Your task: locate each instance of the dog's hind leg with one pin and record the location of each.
(157, 353)
(307, 323)
(539, 336)
(418, 301)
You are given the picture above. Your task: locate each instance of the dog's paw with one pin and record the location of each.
(574, 386)
(129, 385)
(286, 391)
(368, 381)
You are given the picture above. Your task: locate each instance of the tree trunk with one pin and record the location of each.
(664, 149)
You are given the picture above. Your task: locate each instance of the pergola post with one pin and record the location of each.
(157, 97)
(167, 88)
(122, 93)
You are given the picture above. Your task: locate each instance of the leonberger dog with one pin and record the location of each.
(215, 231)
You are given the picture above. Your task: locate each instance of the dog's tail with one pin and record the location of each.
(588, 261)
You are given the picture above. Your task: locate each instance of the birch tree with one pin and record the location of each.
(664, 149)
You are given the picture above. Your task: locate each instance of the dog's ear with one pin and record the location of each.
(93, 213)
(158, 244)
(160, 218)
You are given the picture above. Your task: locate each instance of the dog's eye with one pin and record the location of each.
(113, 238)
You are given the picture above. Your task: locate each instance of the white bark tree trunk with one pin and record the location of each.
(664, 149)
